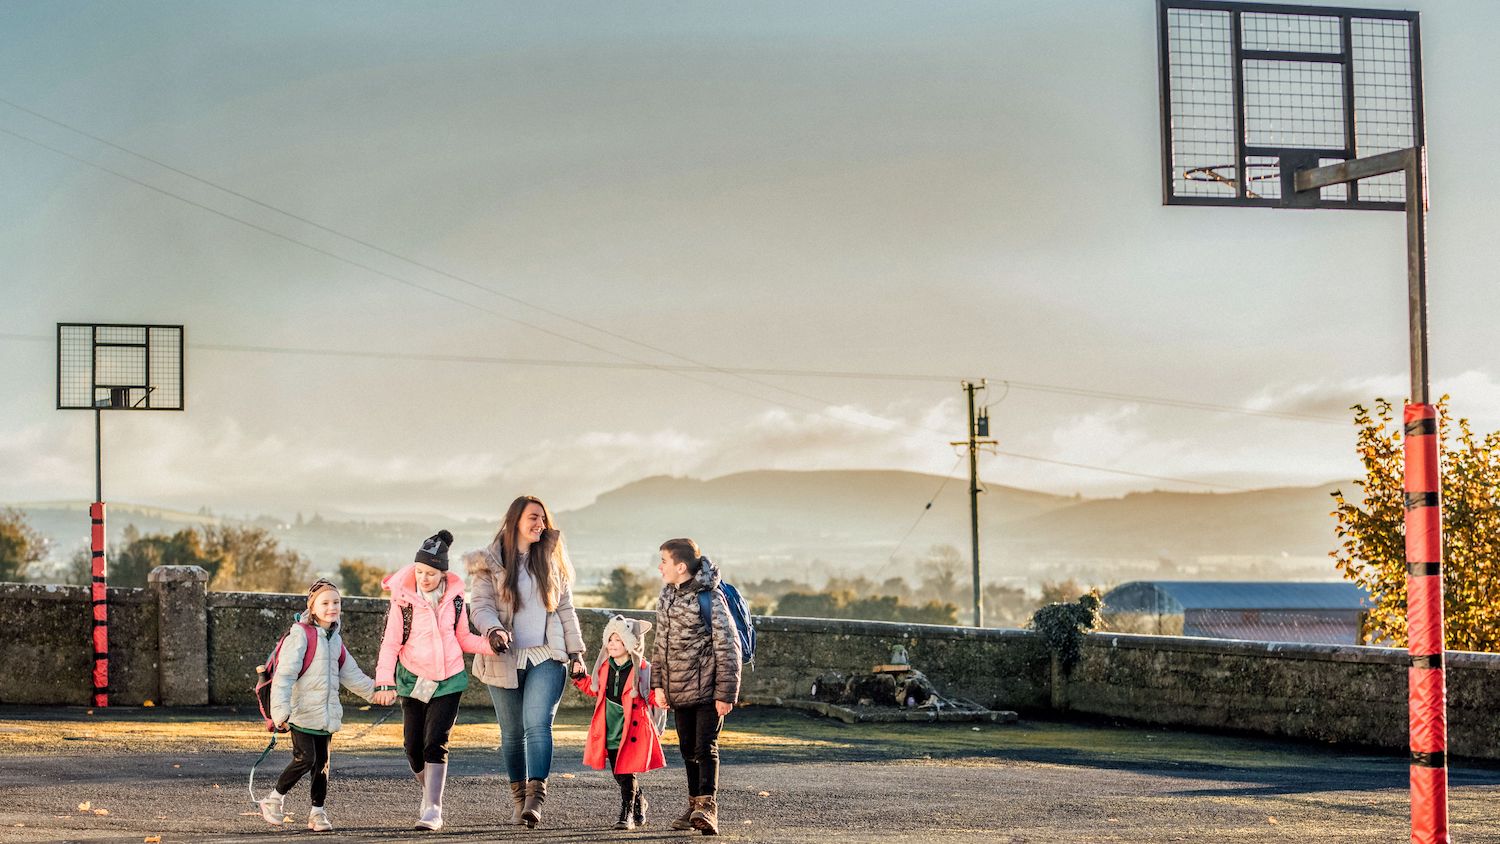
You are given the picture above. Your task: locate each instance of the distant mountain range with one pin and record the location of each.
(809, 525)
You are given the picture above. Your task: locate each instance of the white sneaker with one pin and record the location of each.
(271, 807)
(317, 820)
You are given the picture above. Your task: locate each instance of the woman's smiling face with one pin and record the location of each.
(533, 522)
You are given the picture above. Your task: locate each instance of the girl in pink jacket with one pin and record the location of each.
(422, 662)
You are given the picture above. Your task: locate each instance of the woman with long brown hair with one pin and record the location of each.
(520, 596)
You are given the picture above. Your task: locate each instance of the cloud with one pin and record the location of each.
(216, 461)
(1473, 393)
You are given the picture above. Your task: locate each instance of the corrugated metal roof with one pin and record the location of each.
(1170, 597)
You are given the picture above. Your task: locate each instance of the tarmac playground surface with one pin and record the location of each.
(133, 774)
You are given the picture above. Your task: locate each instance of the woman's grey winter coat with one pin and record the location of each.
(487, 612)
(694, 665)
(312, 701)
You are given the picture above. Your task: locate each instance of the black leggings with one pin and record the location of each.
(426, 727)
(309, 753)
(627, 782)
(698, 738)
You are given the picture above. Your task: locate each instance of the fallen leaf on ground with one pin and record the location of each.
(177, 766)
(567, 776)
(765, 794)
(153, 839)
(148, 703)
(1272, 821)
(85, 806)
(1113, 820)
(101, 811)
(216, 785)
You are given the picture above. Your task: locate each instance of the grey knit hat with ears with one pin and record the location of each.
(632, 632)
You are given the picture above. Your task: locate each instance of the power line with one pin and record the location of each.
(925, 510)
(411, 261)
(412, 284)
(739, 372)
(680, 371)
(661, 367)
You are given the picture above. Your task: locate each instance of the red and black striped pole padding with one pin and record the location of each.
(100, 606)
(1426, 690)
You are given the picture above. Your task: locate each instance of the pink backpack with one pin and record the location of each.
(264, 673)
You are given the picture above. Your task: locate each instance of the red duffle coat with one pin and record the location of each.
(640, 746)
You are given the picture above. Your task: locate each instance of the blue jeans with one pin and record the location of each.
(525, 716)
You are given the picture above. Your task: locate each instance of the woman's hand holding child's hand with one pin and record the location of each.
(499, 640)
(659, 698)
(385, 698)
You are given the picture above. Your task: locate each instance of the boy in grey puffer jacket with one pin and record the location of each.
(697, 672)
(309, 704)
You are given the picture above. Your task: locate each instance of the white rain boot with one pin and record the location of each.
(272, 807)
(317, 820)
(432, 796)
(422, 784)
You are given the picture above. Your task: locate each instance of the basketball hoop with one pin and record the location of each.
(109, 366)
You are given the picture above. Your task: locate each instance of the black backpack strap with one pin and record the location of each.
(405, 622)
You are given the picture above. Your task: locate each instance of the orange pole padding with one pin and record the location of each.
(1428, 695)
(100, 605)
(1424, 615)
(1429, 805)
(1426, 678)
(1419, 421)
(1424, 534)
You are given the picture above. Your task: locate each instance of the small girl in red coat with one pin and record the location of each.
(625, 733)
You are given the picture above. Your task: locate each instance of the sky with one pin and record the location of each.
(369, 215)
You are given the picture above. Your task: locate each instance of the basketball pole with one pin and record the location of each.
(1426, 678)
(97, 586)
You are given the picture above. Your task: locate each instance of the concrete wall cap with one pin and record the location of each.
(177, 574)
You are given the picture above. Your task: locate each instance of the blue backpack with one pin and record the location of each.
(739, 612)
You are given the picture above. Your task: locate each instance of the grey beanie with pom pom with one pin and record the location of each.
(434, 552)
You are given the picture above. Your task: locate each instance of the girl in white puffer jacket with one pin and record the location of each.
(309, 704)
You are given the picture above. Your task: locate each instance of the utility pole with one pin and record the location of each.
(979, 431)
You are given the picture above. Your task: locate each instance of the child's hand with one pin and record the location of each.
(385, 698)
(659, 698)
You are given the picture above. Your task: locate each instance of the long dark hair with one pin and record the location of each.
(547, 559)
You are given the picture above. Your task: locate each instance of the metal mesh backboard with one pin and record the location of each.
(1248, 87)
(119, 367)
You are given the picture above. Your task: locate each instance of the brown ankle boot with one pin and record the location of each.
(705, 817)
(536, 793)
(517, 796)
(685, 820)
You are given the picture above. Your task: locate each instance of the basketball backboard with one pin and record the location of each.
(119, 367)
(1253, 92)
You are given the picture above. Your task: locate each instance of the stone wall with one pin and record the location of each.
(47, 655)
(175, 644)
(1336, 693)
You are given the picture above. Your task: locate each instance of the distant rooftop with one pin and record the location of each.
(1171, 597)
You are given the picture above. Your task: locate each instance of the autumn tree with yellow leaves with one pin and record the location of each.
(1371, 531)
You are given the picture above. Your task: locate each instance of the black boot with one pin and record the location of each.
(627, 801)
(638, 811)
